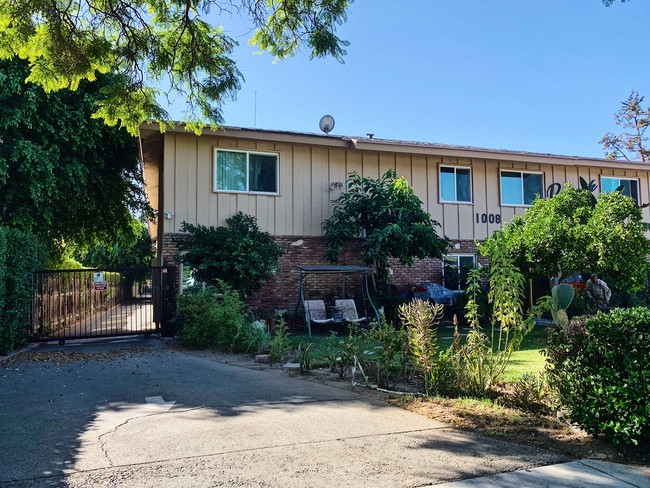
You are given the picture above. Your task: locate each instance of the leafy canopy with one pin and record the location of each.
(128, 248)
(389, 216)
(63, 175)
(240, 255)
(631, 145)
(153, 43)
(573, 233)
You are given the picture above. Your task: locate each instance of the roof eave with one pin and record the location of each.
(382, 145)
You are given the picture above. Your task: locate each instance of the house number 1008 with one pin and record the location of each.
(485, 218)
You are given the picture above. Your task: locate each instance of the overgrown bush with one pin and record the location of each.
(383, 353)
(20, 255)
(342, 352)
(212, 320)
(240, 254)
(600, 369)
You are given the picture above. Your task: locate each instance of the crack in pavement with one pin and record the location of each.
(209, 455)
(276, 446)
(103, 440)
(102, 443)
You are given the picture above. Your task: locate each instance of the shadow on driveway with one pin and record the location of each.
(138, 413)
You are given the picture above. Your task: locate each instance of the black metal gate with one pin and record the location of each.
(84, 303)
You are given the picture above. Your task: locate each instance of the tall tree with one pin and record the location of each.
(631, 145)
(572, 232)
(150, 42)
(389, 216)
(129, 247)
(64, 176)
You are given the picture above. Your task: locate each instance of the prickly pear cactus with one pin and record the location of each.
(562, 296)
(564, 293)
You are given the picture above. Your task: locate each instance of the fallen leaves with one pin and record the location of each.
(67, 357)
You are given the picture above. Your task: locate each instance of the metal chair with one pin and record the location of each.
(315, 312)
(349, 310)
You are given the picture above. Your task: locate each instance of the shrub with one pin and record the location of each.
(212, 320)
(20, 255)
(341, 353)
(581, 305)
(240, 254)
(383, 355)
(600, 369)
(251, 337)
(65, 263)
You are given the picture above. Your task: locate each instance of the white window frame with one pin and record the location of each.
(461, 286)
(521, 172)
(455, 200)
(623, 178)
(248, 153)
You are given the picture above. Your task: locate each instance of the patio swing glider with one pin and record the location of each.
(344, 309)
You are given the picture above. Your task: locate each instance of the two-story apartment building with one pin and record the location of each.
(288, 180)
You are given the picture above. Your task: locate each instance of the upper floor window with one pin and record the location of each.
(455, 184)
(245, 171)
(630, 186)
(520, 188)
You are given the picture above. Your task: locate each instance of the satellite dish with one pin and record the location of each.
(326, 123)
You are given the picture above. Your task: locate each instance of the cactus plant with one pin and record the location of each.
(562, 318)
(564, 293)
(562, 296)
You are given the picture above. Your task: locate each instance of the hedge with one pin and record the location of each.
(600, 367)
(20, 255)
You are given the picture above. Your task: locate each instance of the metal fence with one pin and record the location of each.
(83, 303)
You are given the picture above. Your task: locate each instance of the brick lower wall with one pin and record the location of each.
(282, 290)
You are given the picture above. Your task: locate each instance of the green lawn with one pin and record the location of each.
(528, 359)
(522, 362)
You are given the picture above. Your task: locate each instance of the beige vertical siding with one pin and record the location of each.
(284, 209)
(420, 176)
(433, 203)
(370, 165)
(301, 190)
(480, 198)
(320, 189)
(309, 177)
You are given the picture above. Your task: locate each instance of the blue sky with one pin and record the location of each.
(533, 75)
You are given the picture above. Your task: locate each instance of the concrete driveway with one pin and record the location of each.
(159, 417)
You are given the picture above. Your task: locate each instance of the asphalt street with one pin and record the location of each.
(137, 413)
